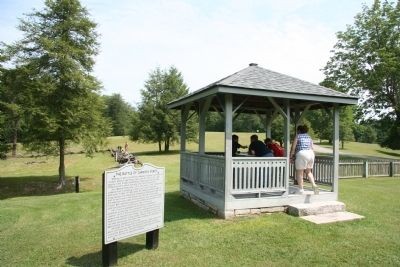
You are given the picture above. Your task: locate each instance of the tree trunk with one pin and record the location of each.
(166, 145)
(342, 144)
(61, 168)
(159, 145)
(15, 138)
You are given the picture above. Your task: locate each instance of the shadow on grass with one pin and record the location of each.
(32, 186)
(393, 154)
(179, 208)
(95, 258)
(176, 208)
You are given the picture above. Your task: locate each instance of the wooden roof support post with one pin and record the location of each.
(286, 140)
(184, 119)
(228, 155)
(270, 116)
(335, 188)
(204, 106)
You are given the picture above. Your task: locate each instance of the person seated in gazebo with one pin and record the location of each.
(236, 145)
(258, 148)
(275, 147)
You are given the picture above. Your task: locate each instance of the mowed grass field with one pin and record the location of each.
(40, 226)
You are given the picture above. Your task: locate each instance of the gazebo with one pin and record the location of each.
(236, 185)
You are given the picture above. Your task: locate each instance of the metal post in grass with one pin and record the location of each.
(110, 254)
(152, 239)
(76, 184)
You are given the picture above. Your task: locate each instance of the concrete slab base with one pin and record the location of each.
(305, 209)
(333, 217)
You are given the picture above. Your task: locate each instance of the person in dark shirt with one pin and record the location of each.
(236, 145)
(258, 148)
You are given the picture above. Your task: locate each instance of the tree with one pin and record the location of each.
(120, 114)
(248, 123)
(155, 122)
(15, 96)
(321, 123)
(364, 133)
(366, 62)
(59, 45)
(4, 147)
(215, 122)
(346, 122)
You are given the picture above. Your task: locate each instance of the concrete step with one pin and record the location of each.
(316, 208)
(341, 216)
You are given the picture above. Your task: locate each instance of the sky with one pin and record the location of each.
(205, 40)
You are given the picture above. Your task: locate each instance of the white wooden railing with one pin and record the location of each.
(203, 170)
(257, 175)
(323, 170)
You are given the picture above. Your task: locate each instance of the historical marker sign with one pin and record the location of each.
(133, 201)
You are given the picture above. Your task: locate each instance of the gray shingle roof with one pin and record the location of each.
(254, 77)
(255, 80)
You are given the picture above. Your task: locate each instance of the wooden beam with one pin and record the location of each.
(241, 104)
(219, 112)
(236, 115)
(277, 107)
(191, 115)
(220, 103)
(300, 118)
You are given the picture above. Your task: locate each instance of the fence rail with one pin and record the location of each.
(323, 169)
(371, 167)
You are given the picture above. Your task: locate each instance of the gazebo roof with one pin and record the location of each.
(255, 84)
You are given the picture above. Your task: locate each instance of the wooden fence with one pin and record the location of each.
(323, 168)
(371, 167)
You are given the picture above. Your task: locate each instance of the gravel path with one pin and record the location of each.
(321, 149)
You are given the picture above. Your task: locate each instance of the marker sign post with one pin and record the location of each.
(133, 204)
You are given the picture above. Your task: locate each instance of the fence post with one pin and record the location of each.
(365, 174)
(391, 169)
(76, 184)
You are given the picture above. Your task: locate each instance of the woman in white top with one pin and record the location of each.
(303, 153)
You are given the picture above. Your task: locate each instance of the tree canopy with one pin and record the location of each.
(155, 122)
(58, 47)
(366, 62)
(15, 99)
(120, 114)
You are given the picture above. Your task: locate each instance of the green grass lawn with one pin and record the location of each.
(40, 226)
(366, 150)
